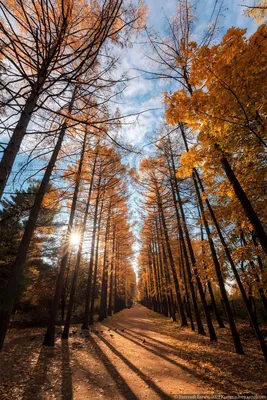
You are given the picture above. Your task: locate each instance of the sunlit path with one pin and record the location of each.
(133, 188)
(136, 354)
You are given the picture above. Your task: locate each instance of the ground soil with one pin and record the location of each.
(136, 354)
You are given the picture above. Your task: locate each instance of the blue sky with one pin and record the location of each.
(143, 94)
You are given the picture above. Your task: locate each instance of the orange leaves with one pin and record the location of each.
(224, 102)
(227, 90)
(142, 15)
(189, 160)
(258, 11)
(50, 200)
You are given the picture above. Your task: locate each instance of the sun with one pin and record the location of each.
(75, 238)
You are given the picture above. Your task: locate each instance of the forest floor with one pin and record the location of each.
(138, 355)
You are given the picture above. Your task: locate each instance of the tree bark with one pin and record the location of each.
(245, 203)
(110, 301)
(236, 274)
(85, 324)
(104, 286)
(65, 334)
(92, 305)
(212, 333)
(235, 335)
(17, 268)
(175, 278)
(49, 339)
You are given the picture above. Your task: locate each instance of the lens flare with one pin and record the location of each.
(75, 238)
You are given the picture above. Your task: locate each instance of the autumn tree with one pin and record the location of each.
(182, 54)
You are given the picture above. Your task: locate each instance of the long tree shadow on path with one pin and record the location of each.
(122, 386)
(218, 371)
(186, 369)
(38, 378)
(163, 395)
(66, 373)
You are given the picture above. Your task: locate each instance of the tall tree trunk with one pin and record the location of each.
(65, 334)
(110, 301)
(168, 282)
(167, 272)
(214, 306)
(189, 313)
(152, 282)
(212, 333)
(187, 264)
(236, 274)
(64, 294)
(49, 339)
(104, 286)
(92, 305)
(14, 144)
(212, 298)
(245, 202)
(172, 264)
(162, 270)
(261, 267)
(116, 270)
(235, 335)
(18, 266)
(20, 130)
(156, 278)
(85, 324)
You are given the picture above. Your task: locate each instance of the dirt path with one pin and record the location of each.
(137, 370)
(136, 354)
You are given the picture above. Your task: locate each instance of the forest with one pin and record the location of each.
(133, 213)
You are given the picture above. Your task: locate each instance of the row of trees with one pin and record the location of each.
(205, 187)
(58, 80)
(99, 203)
(94, 263)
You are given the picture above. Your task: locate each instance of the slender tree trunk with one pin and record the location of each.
(156, 279)
(164, 281)
(65, 334)
(116, 300)
(212, 333)
(261, 267)
(92, 305)
(167, 273)
(245, 203)
(256, 276)
(152, 280)
(212, 298)
(235, 335)
(49, 339)
(104, 286)
(14, 144)
(149, 287)
(186, 288)
(64, 291)
(236, 274)
(20, 130)
(111, 274)
(214, 306)
(18, 266)
(85, 324)
(175, 278)
(168, 283)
